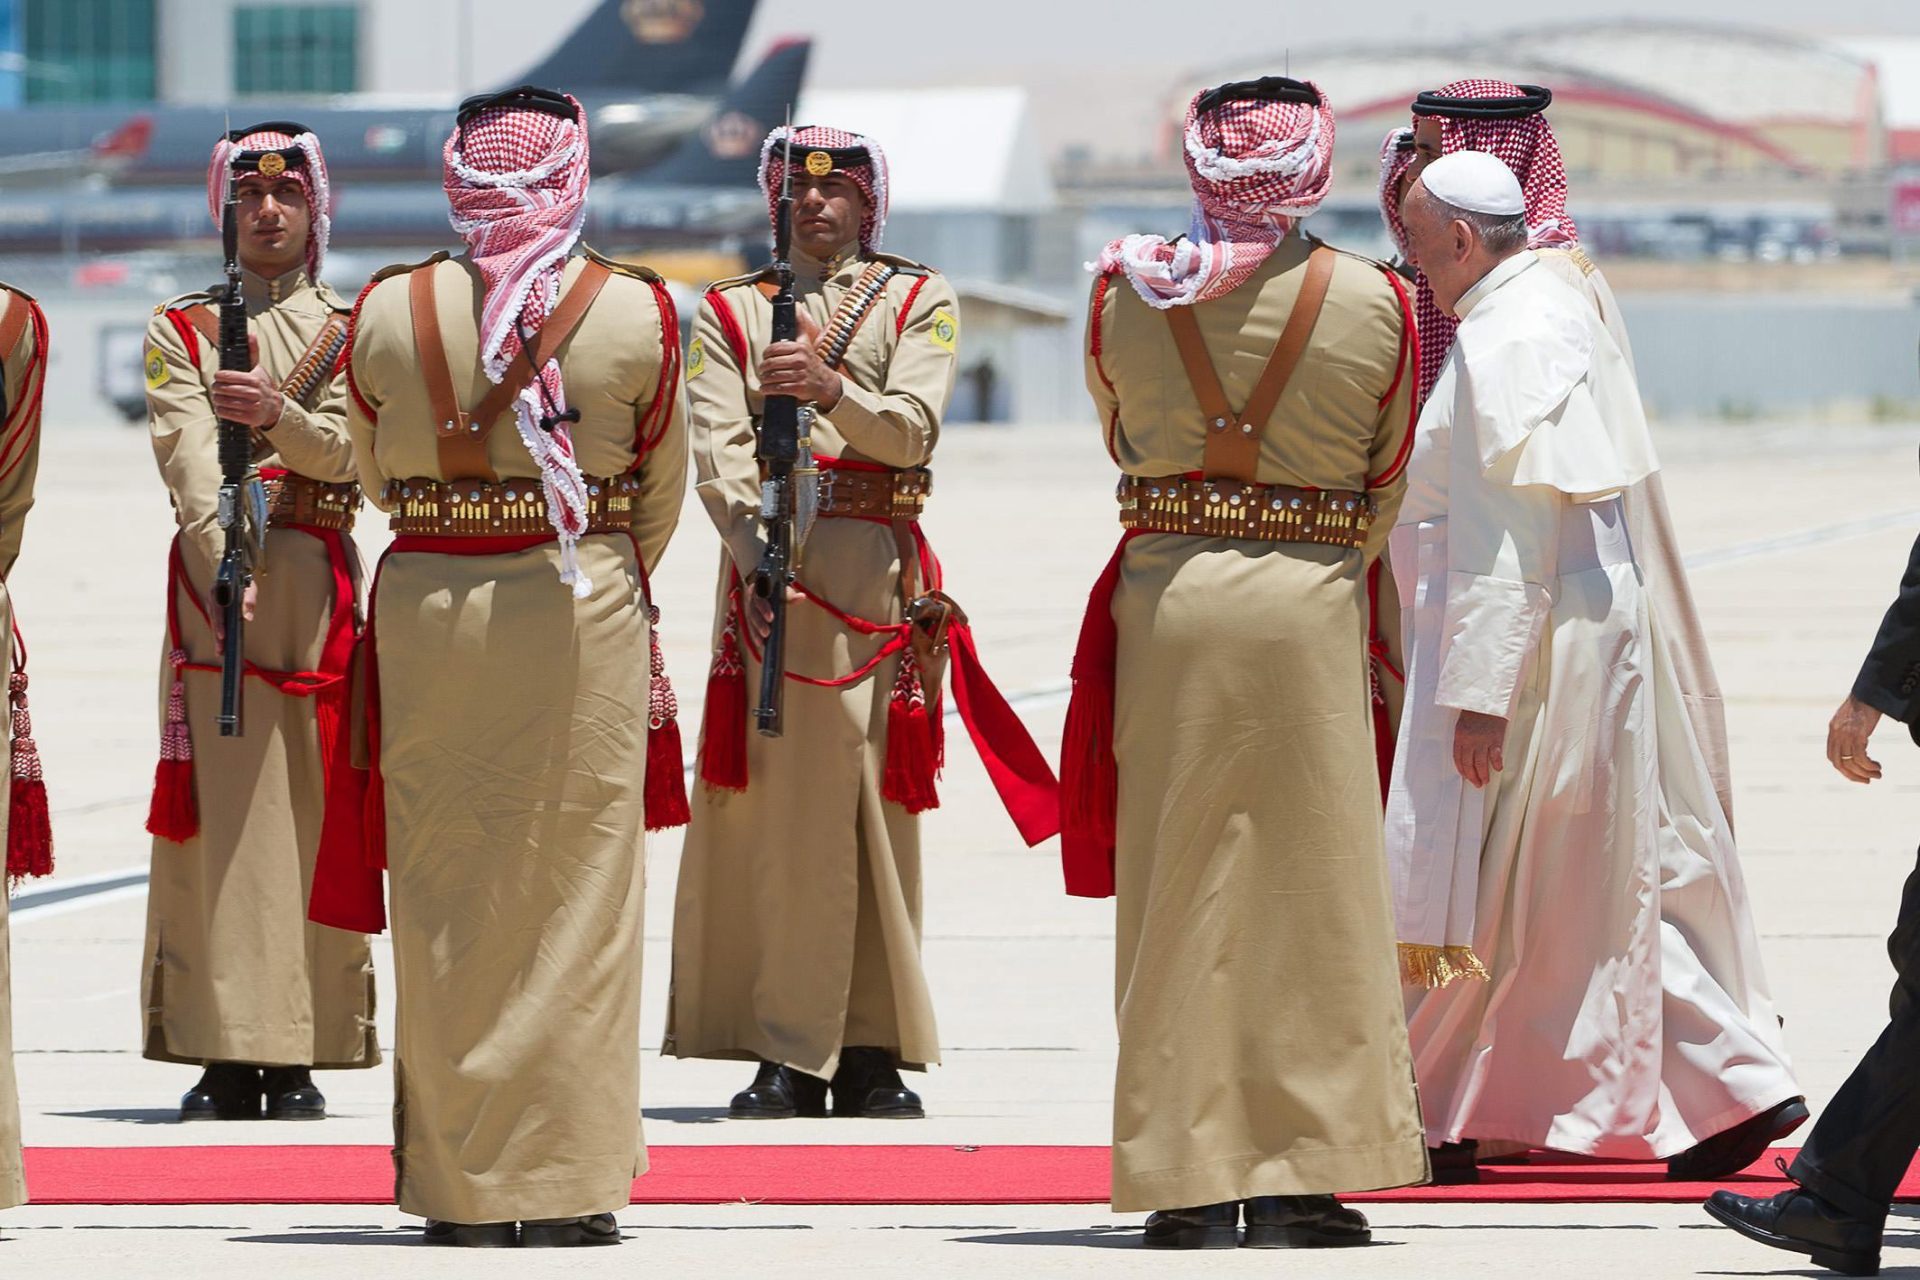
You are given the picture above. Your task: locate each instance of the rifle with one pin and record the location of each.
(242, 507)
(789, 488)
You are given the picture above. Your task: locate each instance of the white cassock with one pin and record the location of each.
(1602, 1028)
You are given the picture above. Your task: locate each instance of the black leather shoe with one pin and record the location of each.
(1801, 1222)
(1207, 1226)
(226, 1091)
(291, 1094)
(1455, 1164)
(780, 1093)
(1304, 1222)
(868, 1086)
(1731, 1150)
(568, 1233)
(462, 1235)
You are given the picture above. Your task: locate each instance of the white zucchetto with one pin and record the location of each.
(1476, 182)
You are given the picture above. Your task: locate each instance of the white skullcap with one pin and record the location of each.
(1476, 182)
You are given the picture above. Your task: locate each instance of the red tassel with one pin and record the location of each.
(723, 729)
(29, 831)
(913, 744)
(666, 792)
(173, 813)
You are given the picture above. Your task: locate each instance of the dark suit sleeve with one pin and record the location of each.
(1889, 680)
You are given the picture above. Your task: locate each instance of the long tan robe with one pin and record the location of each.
(16, 496)
(1262, 1050)
(232, 971)
(513, 742)
(797, 923)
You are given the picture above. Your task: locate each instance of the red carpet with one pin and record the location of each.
(780, 1175)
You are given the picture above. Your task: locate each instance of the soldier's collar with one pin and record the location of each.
(272, 290)
(808, 267)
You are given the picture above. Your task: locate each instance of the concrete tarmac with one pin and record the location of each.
(1799, 536)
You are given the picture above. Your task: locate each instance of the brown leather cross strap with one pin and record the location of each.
(462, 436)
(13, 323)
(1233, 436)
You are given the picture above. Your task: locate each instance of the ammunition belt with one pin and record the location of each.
(314, 504)
(1257, 512)
(503, 509)
(875, 495)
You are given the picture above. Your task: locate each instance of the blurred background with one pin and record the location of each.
(1748, 174)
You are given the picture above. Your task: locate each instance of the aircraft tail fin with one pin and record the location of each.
(726, 151)
(128, 142)
(647, 47)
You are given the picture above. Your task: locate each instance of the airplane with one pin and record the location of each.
(648, 71)
(103, 159)
(705, 192)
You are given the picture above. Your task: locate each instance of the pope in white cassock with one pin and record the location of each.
(1548, 789)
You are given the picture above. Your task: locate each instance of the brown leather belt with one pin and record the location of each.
(1257, 512)
(503, 509)
(315, 504)
(875, 495)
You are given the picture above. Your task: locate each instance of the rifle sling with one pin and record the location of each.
(462, 437)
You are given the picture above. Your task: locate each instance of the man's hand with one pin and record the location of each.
(1847, 735)
(795, 369)
(252, 397)
(248, 599)
(760, 613)
(1479, 746)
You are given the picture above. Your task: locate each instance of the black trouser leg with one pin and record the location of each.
(1869, 1132)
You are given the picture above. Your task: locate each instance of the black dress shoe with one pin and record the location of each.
(780, 1093)
(1801, 1222)
(1207, 1226)
(226, 1091)
(568, 1233)
(1455, 1164)
(1731, 1150)
(868, 1086)
(1304, 1222)
(463, 1235)
(291, 1094)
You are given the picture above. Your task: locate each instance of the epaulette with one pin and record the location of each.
(16, 289)
(906, 266)
(620, 268)
(198, 298)
(734, 282)
(401, 268)
(334, 301)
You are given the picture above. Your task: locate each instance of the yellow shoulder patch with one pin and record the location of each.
(696, 358)
(945, 332)
(158, 374)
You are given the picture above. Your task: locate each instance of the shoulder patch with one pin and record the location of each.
(620, 268)
(696, 358)
(158, 374)
(945, 331)
(401, 268)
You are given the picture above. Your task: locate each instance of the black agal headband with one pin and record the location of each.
(269, 162)
(1533, 100)
(526, 97)
(821, 161)
(1265, 89)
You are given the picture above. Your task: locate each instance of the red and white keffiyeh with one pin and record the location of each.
(1256, 168)
(872, 177)
(517, 184)
(1528, 147)
(312, 177)
(1396, 157)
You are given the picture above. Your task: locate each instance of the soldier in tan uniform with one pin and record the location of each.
(23, 372)
(1256, 390)
(233, 976)
(534, 465)
(796, 940)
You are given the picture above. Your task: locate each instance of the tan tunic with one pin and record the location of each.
(16, 496)
(232, 970)
(1262, 1050)
(797, 925)
(513, 734)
